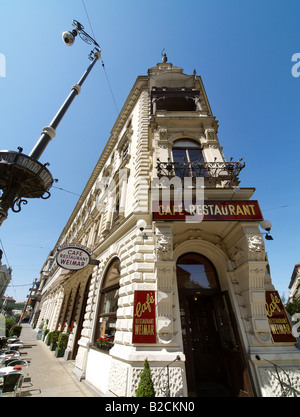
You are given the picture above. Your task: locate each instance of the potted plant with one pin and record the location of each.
(145, 387)
(54, 339)
(9, 323)
(46, 331)
(40, 331)
(106, 342)
(48, 338)
(15, 331)
(61, 345)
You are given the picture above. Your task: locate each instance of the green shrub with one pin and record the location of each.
(49, 337)
(145, 387)
(15, 331)
(63, 341)
(10, 321)
(54, 336)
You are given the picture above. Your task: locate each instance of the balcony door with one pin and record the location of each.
(187, 158)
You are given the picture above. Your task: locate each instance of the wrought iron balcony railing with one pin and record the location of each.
(214, 171)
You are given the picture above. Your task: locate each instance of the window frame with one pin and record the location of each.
(102, 338)
(185, 165)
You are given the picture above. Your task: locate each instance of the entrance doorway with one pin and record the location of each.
(81, 318)
(215, 364)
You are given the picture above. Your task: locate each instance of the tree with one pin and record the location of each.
(145, 387)
(293, 306)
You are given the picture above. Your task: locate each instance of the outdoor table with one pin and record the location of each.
(10, 370)
(14, 340)
(9, 355)
(15, 345)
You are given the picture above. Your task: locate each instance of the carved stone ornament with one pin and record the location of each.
(237, 255)
(263, 337)
(256, 248)
(164, 338)
(164, 247)
(163, 134)
(210, 134)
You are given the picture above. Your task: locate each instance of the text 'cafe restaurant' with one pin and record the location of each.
(210, 210)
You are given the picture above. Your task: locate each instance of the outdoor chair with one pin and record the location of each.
(11, 385)
(3, 343)
(10, 352)
(15, 362)
(8, 356)
(19, 364)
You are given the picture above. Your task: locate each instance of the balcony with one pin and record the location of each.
(224, 174)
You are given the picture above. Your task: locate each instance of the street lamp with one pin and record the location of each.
(267, 225)
(22, 176)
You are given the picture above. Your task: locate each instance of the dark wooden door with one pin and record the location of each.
(81, 319)
(214, 361)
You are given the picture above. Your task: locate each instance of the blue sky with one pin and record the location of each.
(242, 50)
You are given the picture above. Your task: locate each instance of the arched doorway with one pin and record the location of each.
(214, 361)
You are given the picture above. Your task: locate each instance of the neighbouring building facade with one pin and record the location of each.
(177, 270)
(294, 285)
(5, 277)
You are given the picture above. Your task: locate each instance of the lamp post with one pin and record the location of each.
(23, 176)
(28, 299)
(282, 384)
(167, 390)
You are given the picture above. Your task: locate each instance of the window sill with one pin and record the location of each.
(102, 349)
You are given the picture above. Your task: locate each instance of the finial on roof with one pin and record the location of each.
(164, 56)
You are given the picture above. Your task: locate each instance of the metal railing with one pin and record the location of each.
(211, 170)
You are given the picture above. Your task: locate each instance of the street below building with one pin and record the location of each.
(46, 375)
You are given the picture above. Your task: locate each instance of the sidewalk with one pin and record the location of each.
(48, 376)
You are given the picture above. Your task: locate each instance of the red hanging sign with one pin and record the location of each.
(144, 329)
(281, 329)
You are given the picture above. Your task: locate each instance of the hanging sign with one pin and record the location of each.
(73, 256)
(281, 329)
(207, 210)
(144, 329)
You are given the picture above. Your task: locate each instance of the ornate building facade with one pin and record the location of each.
(185, 288)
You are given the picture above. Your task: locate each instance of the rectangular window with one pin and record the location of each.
(108, 319)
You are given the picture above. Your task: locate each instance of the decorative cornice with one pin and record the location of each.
(140, 84)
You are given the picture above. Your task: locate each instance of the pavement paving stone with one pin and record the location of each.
(46, 375)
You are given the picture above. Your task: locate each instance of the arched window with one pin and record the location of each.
(107, 317)
(196, 272)
(187, 157)
(187, 150)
